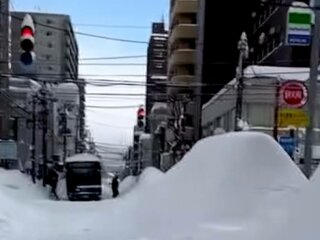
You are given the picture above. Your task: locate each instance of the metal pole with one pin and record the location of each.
(312, 87)
(64, 115)
(44, 137)
(243, 48)
(276, 111)
(33, 143)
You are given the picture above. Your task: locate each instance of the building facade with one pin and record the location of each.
(181, 130)
(156, 68)
(4, 66)
(267, 36)
(265, 24)
(56, 47)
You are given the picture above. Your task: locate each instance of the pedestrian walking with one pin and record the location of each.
(115, 187)
(53, 178)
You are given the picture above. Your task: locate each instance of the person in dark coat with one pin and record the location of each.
(53, 178)
(115, 187)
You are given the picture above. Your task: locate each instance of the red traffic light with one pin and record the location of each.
(27, 33)
(141, 113)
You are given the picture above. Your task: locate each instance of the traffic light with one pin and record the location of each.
(27, 41)
(141, 117)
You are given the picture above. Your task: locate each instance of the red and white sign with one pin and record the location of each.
(294, 94)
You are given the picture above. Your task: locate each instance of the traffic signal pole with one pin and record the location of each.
(312, 89)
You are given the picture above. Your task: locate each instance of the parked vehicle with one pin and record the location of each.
(83, 177)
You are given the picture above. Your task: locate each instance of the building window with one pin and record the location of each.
(49, 21)
(50, 45)
(49, 33)
(50, 68)
(158, 65)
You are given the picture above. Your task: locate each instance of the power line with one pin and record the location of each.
(112, 26)
(112, 58)
(112, 64)
(81, 33)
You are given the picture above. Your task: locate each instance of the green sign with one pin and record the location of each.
(299, 25)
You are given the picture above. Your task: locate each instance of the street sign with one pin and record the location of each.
(293, 94)
(293, 117)
(299, 23)
(288, 144)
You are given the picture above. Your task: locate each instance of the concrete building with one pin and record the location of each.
(267, 37)
(265, 24)
(55, 46)
(181, 73)
(57, 53)
(4, 65)
(67, 95)
(156, 68)
(4, 36)
(259, 103)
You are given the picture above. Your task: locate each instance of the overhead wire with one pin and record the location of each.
(111, 26)
(80, 33)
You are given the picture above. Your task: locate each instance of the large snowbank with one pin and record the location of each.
(149, 176)
(302, 221)
(229, 182)
(127, 184)
(232, 186)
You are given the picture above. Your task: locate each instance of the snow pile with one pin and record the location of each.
(226, 184)
(127, 184)
(302, 221)
(232, 186)
(148, 177)
(16, 190)
(62, 189)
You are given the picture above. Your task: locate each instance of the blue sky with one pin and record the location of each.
(109, 126)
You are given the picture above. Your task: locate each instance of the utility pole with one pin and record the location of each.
(276, 110)
(244, 52)
(312, 89)
(64, 130)
(44, 102)
(33, 147)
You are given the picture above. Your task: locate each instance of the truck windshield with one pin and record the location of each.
(84, 173)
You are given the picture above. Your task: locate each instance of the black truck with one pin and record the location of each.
(83, 177)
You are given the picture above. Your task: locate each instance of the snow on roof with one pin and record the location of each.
(159, 106)
(161, 35)
(84, 157)
(283, 73)
(159, 77)
(255, 71)
(145, 136)
(67, 86)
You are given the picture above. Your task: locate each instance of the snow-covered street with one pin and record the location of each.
(232, 186)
